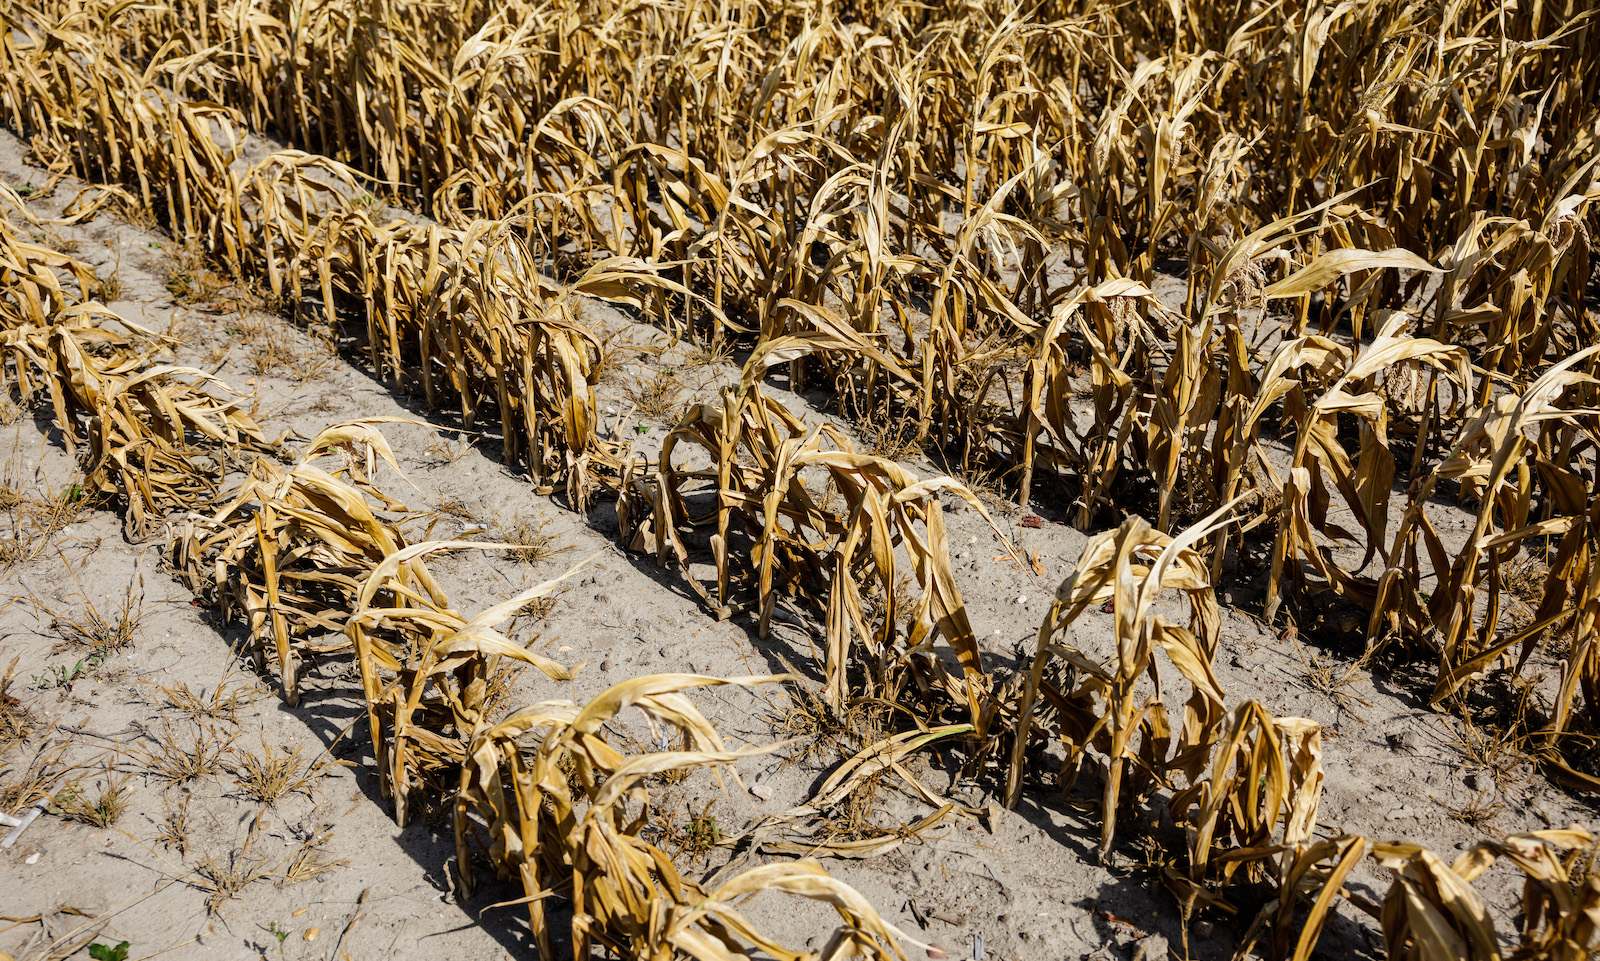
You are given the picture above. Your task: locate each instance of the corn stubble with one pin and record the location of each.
(950, 218)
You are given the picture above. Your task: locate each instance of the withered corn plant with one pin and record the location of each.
(159, 436)
(1113, 717)
(291, 550)
(1432, 910)
(562, 809)
(794, 512)
(1243, 784)
(427, 672)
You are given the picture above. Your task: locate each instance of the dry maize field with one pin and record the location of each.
(805, 480)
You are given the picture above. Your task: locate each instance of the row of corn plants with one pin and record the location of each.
(307, 545)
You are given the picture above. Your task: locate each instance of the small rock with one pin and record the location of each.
(784, 617)
(1152, 948)
(1022, 600)
(936, 953)
(1236, 661)
(1203, 929)
(32, 858)
(761, 791)
(1403, 742)
(606, 664)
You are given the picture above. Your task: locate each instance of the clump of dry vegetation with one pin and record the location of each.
(16, 721)
(181, 756)
(102, 808)
(190, 275)
(657, 396)
(175, 829)
(535, 542)
(271, 774)
(221, 705)
(99, 634)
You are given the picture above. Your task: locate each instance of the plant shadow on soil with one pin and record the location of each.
(338, 721)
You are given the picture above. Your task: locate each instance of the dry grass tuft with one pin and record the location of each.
(224, 876)
(30, 521)
(112, 288)
(189, 274)
(310, 857)
(890, 437)
(825, 734)
(16, 721)
(198, 752)
(176, 828)
(701, 353)
(443, 451)
(1480, 813)
(102, 809)
(1498, 751)
(100, 634)
(271, 775)
(273, 350)
(23, 784)
(657, 396)
(532, 536)
(221, 705)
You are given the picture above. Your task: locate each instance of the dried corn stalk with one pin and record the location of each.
(1320, 464)
(1108, 716)
(290, 551)
(426, 670)
(767, 474)
(1256, 805)
(563, 814)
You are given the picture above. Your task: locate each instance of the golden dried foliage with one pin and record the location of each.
(953, 217)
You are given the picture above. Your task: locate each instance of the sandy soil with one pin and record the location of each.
(325, 872)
